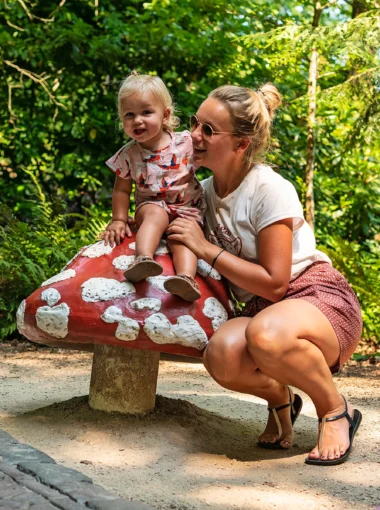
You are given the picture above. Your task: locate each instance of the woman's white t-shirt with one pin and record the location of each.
(262, 198)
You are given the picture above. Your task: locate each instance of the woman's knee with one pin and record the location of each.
(266, 337)
(221, 360)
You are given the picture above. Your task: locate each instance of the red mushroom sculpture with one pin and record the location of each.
(90, 305)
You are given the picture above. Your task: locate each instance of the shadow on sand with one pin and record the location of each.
(203, 431)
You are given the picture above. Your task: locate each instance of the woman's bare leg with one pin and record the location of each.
(152, 221)
(228, 361)
(184, 260)
(295, 343)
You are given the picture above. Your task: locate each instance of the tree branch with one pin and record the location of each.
(352, 78)
(15, 26)
(61, 4)
(327, 5)
(33, 16)
(40, 79)
(25, 9)
(340, 85)
(318, 11)
(10, 87)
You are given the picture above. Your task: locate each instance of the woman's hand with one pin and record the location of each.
(115, 232)
(189, 233)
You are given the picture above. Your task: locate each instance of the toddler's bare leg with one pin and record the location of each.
(185, 265)
(184, 260)
(152, 221)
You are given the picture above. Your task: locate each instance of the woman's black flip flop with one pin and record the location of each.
(354, 425)
(295, 409)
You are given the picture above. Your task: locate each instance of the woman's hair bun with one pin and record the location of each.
(271, 97)
(251, 112)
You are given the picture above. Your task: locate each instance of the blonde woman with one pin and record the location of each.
(159, 161)
(301, 320)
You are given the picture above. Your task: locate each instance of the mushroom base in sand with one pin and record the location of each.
(123, 380)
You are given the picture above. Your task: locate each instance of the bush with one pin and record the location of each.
(33, 251)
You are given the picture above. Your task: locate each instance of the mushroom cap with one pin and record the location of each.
(90, 302)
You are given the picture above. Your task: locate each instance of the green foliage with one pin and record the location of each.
(32, 252)
(61, 65)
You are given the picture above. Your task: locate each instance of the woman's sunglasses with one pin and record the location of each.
(207, 131)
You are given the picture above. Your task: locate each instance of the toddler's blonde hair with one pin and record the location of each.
(145, 83)
(252, 112)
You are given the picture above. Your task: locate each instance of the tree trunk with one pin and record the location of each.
(310, 155)
(312, 97)
(358, 7)
(123, 380)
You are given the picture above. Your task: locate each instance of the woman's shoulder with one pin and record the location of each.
(274, 199)
(265, 173)
(267, 177)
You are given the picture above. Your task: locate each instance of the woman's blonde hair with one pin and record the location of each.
(252, 112)
(145, 83)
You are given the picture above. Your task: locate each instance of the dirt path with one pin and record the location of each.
(198, 449)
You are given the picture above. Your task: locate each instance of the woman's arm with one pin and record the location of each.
(118, 227)
(269, 279)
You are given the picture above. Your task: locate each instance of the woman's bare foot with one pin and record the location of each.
(271, 432)
(335, 440)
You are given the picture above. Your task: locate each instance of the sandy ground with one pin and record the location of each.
(197, 450)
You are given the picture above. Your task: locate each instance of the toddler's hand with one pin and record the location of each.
(115, 233)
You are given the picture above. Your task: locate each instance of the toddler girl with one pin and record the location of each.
(158, 160)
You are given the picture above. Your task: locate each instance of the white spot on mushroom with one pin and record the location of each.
(127, 329)
(53, 321)
(123, 262)
(159, 329)
(162, 248)
(132, 246)
(204, 269)
(112, 314)
(97, 250)
(158, 282)
(105, 289)
(20, 315)
(151, 304)
(63, 275)
(214, 310)
(189, 333)
(186, 332)
(51, 296)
